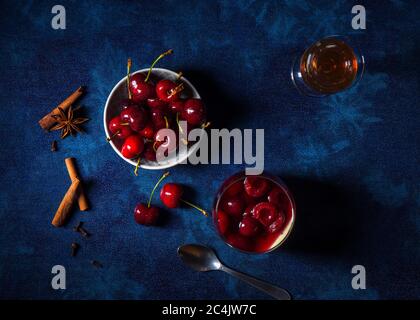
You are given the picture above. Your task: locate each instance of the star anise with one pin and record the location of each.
(67, 122)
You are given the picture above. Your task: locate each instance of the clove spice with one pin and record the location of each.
(74, 247)
(96, 264)
(54, 146)
(79, 228)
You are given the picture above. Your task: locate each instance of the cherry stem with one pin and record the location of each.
(124, 124)
(195, 207)
(179, 76)
(170, 51)
(205, 125)
(177, 121)
(156, 185)
(113, 136)
(177, 89)
(128, 77)
(137, 167)
(166, 122)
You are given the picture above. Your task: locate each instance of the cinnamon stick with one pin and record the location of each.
(64, 210)
(72, 170)
(48, 121)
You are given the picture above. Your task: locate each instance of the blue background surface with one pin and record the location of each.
(351, 160)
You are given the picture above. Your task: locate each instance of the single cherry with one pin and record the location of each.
(223, 222)
(235, 189)
(135, 116)
(277, 197)
(256, 186)
(168, 91)
(265, 212)
(148, 131)
(194, 112)
(146, 214)
(119, 129)
(136, 79)
(249, 227)
(278, 224)
(171, 196)
(176, 106)
(149, 153)
(160, 118)
(133, 146)
(167, 143)
(239, 241)
(156, 103)
(233, 206)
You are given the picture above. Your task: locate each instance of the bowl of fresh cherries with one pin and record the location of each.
(254, 214)
(144, 102)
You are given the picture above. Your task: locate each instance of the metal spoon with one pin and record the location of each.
(202, 258)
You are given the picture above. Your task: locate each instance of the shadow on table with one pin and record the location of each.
(222, 109)
(326, 221)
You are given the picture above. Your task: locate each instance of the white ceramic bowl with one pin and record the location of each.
(119, 92)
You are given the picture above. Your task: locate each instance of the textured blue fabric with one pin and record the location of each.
(351, 160)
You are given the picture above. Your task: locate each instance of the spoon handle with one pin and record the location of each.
(275, 292)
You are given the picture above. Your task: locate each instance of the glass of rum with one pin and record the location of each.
(328, 66)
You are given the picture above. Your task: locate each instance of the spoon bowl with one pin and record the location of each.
(199, 258)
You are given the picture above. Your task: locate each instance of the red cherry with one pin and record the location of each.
(158, 119)
(142, 92)
(171, 194)
(177, 106)
(114, 125)
(125, 132)
(118, 130)
(146, 215)
(233, 206)
(235, 189)
(124, 103)
(265, 212)
(248, 210)
(249, 227)
(136, 79)
(135, 116)
(140, 89)
(156, 103)
(166, 90)
(166, 141)
(256, 186)
(239, 241)
(194, 112)
(149, 153)
(278, 224)
(148, 131)
(223, 222)
(133, 146)
(278, 197)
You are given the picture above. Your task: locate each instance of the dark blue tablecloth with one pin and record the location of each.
(351, 160)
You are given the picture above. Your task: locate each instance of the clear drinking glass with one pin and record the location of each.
(328, 66)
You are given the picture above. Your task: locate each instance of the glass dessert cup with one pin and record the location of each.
(328, 66)
(254, 214)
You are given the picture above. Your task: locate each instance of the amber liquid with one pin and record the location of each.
(329, 66)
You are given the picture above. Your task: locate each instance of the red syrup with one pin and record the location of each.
(254, 214)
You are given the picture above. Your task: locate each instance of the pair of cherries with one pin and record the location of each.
(149, 108)
(170, 195)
